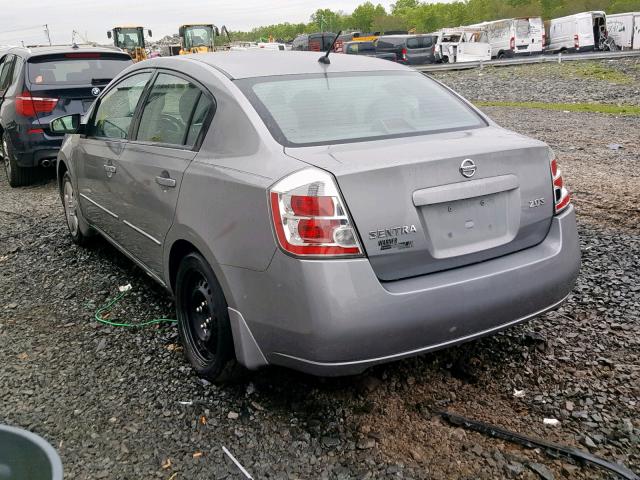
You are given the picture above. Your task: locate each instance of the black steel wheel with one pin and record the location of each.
(203, 320)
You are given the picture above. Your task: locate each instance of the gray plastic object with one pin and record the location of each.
(26, 456)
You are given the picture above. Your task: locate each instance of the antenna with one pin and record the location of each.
(325, 58)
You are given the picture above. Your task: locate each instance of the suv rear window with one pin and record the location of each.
(76, 68)
(304, 110)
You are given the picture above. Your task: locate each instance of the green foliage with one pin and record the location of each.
(428, 17)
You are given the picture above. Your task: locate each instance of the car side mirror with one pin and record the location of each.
(149, 32)
(69, 124)
(109, 35)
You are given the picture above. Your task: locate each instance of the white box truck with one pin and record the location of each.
(624, 29)
(514, 36)
(577, 33)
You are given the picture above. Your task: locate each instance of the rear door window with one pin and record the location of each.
(6, 70)
(117, 108)
(389, 43)
(169, 115)
(76, 68)
(419, 42)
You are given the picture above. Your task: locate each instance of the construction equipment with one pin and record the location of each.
(199, 38)
(130, 38)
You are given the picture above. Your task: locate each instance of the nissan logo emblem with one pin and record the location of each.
(468, 168)
(95, 91)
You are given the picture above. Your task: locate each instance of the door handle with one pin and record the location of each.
(110, 169)
(166, 182)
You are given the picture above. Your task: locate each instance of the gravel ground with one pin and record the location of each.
(123, 403)
(605, 81)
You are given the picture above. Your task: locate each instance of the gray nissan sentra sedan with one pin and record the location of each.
(324, 217)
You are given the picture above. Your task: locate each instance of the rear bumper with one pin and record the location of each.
(337, 318)
(32, 148)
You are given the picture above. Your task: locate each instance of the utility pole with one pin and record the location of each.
(46, 30)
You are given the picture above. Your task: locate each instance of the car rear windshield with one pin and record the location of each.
(76, 68)
(304, 110)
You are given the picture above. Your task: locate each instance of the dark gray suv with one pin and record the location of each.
(41, 83)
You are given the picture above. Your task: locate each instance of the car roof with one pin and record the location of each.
(48, 50)
(266, 63)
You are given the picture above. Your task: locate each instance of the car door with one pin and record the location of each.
(585, 32)
(150, 169)
(108, 130)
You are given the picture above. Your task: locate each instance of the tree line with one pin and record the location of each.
(414, 15)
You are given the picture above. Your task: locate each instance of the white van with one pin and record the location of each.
(455, 45)
(577, 33)
(624, 29)
(514, 36)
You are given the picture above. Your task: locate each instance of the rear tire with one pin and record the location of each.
(203, 321)
(72, 212)
(16, 176)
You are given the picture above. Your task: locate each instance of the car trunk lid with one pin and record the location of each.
(430, 203)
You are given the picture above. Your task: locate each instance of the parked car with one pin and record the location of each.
(314, 42)
(39, 84)
(514, 36)
(624, 29)
(294, 230)
(367, 49)
(409, 49)
(457, 45)
(577, 33)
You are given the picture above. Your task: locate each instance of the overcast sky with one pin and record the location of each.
(24, 19)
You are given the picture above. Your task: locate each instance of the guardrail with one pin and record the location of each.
(548, 58)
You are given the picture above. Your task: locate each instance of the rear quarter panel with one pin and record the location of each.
(223, 205)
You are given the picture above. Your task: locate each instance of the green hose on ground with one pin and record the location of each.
(107, 307)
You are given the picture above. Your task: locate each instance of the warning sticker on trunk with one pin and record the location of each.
(393, 243)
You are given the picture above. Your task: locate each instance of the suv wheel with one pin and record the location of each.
(71, 211)
(203, 321)
(16, 175)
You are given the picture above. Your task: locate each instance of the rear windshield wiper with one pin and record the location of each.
(100, 81)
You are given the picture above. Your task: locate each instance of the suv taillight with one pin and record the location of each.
(512, 43)
(29, 106)
(561, 196)
(576, 41)
(310, 217)
(404, 54)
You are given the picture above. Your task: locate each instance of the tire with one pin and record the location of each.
(78, 230)
(203, 321)
(16, 176)
(500, 55)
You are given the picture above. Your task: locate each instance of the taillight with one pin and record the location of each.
(404, 54)
(544, 39)
(29, 106)
(576, 41)
(561, 197)
(310, 217)
(512, 43)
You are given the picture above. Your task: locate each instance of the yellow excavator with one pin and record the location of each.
(199, 38)
(130, 38)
